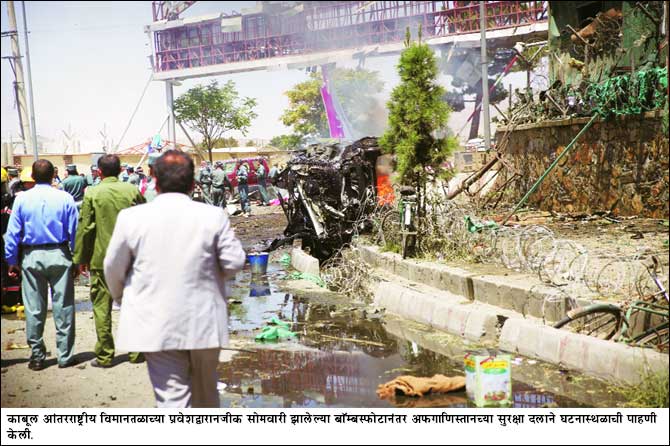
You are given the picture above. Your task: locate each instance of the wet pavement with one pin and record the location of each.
(343, 352)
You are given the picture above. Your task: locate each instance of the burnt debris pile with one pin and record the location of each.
(331, 192)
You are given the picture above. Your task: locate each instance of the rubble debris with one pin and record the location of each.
(416, 386)
(331, 193)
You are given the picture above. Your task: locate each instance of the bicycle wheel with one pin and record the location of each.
(601, 320)
(655, 337)
(389, 229)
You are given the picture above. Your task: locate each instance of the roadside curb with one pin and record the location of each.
(503, 312)
(521, 293)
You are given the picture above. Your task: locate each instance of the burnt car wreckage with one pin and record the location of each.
(331, 194)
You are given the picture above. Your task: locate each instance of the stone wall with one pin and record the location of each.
(619, 165)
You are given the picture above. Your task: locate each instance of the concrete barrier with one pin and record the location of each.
(522, 293)
(475, 305)
(440, 310)
(304, 262)
(605, 359)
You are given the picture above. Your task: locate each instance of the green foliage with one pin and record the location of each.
(357, 92)
(286, 142)
(354, 88)
(212, 110)
(251, 143)
(222, 142)
(652, 391)
(417, 114)
(305, 112)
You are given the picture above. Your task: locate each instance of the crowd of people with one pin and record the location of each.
(146, 245)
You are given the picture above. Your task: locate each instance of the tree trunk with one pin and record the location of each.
(209, 150)
(474, 127)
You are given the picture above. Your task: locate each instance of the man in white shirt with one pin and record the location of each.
(167, 264)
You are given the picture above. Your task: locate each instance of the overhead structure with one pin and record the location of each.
(285, 34)
(16, 64)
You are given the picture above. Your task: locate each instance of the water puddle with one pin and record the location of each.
(341, 355)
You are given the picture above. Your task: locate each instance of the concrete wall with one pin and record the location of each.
(620, 165)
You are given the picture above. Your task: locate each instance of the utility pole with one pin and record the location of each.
(485, 77)
(17, 67)
(169, 95)
(30, 85)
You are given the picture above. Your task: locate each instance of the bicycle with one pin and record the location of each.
(607, 321)
(398, 227)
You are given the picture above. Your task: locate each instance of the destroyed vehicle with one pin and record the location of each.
(331, 194)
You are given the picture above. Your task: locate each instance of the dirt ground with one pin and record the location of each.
(124, 384)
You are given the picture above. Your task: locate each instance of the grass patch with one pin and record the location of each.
(651, 392)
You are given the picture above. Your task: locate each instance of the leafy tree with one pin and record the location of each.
(212, 110)
(286, 142)
(417, 114)
(356, 90)
(305, 112)
(251, 143)
(222, 142)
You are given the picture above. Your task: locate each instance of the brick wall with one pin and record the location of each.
(619, 165)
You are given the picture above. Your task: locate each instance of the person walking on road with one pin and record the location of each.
(99, 212)
(261, 176)
(74, 184)
(167, 265)
(204, 180)
(42, 226)
(243, 188)
(219, 183)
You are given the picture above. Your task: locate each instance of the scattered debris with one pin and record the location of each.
(13, 346)
(415, 386)
(275, 330)
(331, 192)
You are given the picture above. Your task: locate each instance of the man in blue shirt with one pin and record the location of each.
(43, 225)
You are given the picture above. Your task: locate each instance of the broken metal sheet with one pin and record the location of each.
(331, 193)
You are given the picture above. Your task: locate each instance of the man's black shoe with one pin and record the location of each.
(98, 365)
(36, 365)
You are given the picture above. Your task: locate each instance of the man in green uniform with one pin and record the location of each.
(74, 184)
(219, 183)
(261, 176)
(100, 209)
(204, 179)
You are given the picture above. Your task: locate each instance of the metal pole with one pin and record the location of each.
(550, 168)
(33, 128)
(17, 66)
(485, 77)
(171, 121)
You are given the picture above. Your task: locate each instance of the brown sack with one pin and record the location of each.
(415, 386)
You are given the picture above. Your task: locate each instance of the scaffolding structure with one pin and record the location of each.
(279, 29)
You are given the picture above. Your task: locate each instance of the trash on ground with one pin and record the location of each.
(306, 276)
(13, 346)
(418, 386)
(275, 330)
(478, 226)
(488, 378)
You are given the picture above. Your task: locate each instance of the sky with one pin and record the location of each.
(90, 64)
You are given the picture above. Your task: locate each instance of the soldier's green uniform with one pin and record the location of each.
(100, 209)
(74, 184)
(204, 179)
(219, 183)
(261, 176)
